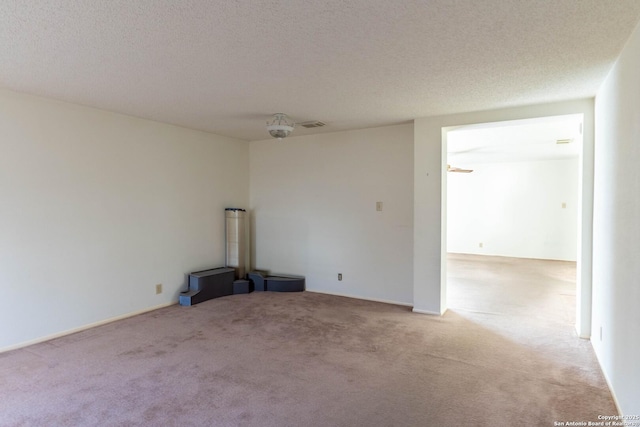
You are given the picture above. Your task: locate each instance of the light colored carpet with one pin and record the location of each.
(505, 354)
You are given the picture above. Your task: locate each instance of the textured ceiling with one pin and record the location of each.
(513, 141)
(226, 66)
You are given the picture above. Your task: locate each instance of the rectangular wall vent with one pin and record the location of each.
(312, 124)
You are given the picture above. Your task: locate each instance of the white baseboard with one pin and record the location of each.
(362, 298)
(584, 337)
(431, 313)
(606, 378)
(405, 304)
(84, 328)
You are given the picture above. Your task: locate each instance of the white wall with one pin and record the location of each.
(97, 208)
(616, 239)
(515, 209)
(313, 201)
(429, 291)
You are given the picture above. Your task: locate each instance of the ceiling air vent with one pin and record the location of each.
(564, 141)
(312, 124)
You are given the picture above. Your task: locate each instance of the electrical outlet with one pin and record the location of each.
(339, 276)
(564, 206)
(480, 244)
(158, 288)
(379, 206)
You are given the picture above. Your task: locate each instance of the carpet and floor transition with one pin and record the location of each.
(505, 354)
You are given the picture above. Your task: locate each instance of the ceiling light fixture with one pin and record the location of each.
(280, 126)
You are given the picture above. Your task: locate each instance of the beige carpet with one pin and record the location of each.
(505, 354)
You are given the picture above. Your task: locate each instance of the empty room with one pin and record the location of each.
(261, 213)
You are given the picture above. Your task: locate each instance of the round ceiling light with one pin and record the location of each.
(280, 126)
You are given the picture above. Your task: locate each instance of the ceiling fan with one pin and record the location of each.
(455, 169)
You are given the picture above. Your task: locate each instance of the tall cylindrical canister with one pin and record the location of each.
(236, 240)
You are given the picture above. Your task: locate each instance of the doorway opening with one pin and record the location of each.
(512, 191)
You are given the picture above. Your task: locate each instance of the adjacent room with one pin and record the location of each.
(433, 295)
(512, 198)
